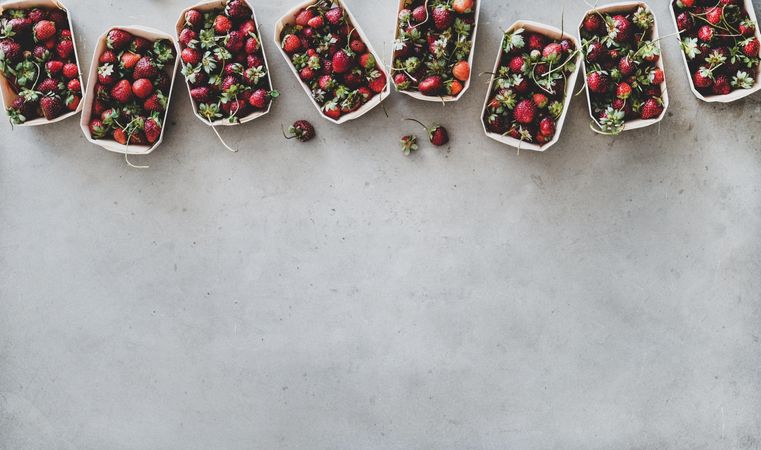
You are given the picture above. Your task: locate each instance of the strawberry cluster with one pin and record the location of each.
(37, 58)
(224, 64)
(132, 89)
(433, 44)
(332, 59)
(529, 88)
(718, 39)
(624, 79)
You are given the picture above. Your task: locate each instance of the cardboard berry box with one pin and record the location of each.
(213, 5)
(626, 8)
(736, 94)
(6, 90)
(290, 18)
(445, 98)
(552, 33)
(108, 143)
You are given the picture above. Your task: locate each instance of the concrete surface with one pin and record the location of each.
(339, 295)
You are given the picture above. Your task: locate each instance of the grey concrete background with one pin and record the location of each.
(339, 295)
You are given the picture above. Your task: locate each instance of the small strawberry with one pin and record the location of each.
(44, 30)
(120, 136)
(461, 71)
(626, 66)
(118, 39)
(517, 64)
(74, 85)
(357, 46)
(437, 134)
(651, 109)
(703, 78)
(593, 23)
(49, 85)
(722, 85)
(72, 102)
(107, 57)
(334, 15)
(51, 106)
(145, 68)
(70, 71)
(64, 49)
(97, 129)
(378, 84)
(238, 10)
(53, 67)
(129, 60)
(155, 103)
(260, 98)
(431, 86)
(547, 127)
(316, 22)
(106, 75)
(201, 94)
(252, 45)
(705, 33)
(656, 76)
(540, 100)
(750, 47)
(13, 51)
(331, 110)
(463, 6)
(139, 44)
(190, 56)
(222, 25)
(291, 44)
(623, 90)
(597, 82)
(152, 129)
(122, 92)
(443, 17)
(525, 112)
(193, 19)
(303, 17)
(301, 130)
(714, 15)
(342, 62)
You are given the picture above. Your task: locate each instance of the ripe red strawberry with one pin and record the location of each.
(420, 14)
(747, 28)
(201, 94)
(714, 14)
(595, 51)
(44, 30)
(12, 51)
(145, 68)
(291, 44)
(37, 14)
(53, 67)
(342, 62)
(237, 10)
(190, 56)
(306, 74)
(657, 76)
(623, 90)
(222, 25)
(525, 112)
(142, 88)
(155, 103)
(129, 60)
(303, 17)
(97, 129)
(684, 22)
(51, 106)
(750, 47)
(593, 23)
(357, 46)
(106, 75)
(651, 109)
(367, 61)
(118, 39)
(107, 57)
(705, 33)
(443, 17)
(722, 85)
(120, 136)
(49, 85)
(332, 110)
(626, 66)
(335, 15)
(431, 86)
(234, 41)
(536, 42)
(540, 100)
(72, 102)
(622, 27)
(378, 84)
(122, 92)
(597, 82)
(547, 127)
(187, 35)
(301, 130)
(20, 25)
(552, 52)
(316, 22)
(152, 129)
(70, 71)
(64, 49)
(139, 44)
(702, 78)
(193, 19)
(74, 85)
(252, 45)
(517, 64)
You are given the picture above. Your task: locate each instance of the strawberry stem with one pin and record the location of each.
(419, 123)
(214, 129)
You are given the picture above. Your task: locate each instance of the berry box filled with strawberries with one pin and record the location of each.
(720, 47)
(531, 86)
(434, 47)
(625, 80)
(224, 62)
(39, 70)
(130, 85)
(331, 56)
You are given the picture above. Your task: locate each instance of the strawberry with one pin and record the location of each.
(443, 17)
(747, 28)
(622, 28)
(291, 44)
(714, 15)
(37, 14)
(51, 106)
(155, 103)
(259, 98)
(623, 90)
(252, 45)
(129, 60)
(593, 23)
(332, 110)
(378, 84)
(106, 75)
(222, 25)
(120, 136)
(367, 61)
(190, 56)
(540, 100)
(53, 67)
(49, 85)
(316, 22)
(342, 62)
(657, 76)
(122, 92)
(722, 85)
(461, 71)
(145, 68)
(152, 129)
(234, 41)
(12, 50)
(335, 15)
(626, 66)
(44, 30)
(107, 57)
(303, 17)
(142, 88)
(70, 71)
(97, 129)
(431, 86)
(139, 44)
(201, 94)
(187, 35)
(705, 33)
(536, 42)
(74, 85)
(72, 102)
(64, 49)
(118, 39)
(463, 6)
(547, 127)
(301, 130)
(517, 64)
(597, 82)
(750, 47)
(651, 109)
(552, 52)
(525, 112)
(420, 14)
(237, 10)
(357, 46)
(193, 19)
(703, 78)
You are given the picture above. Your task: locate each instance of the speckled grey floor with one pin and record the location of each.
(339, 295)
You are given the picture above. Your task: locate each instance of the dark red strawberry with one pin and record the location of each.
(291, 44)
(222, 25)
(107, 57)
(44, 30)
(443, 17)
(597, 82)
(70, 71)
(145, 68)
(106, 75)
(187, 35)
(53, 67)
(301, 130)
(342, 62)
(190, 56)
(201, 94)
(651, 109)
(13, 52)
(335, 15)
(118, 39)
(593, 23)
(49, 85)
(51, 106)
(152, 129)
(525, 112)
(139, 44)
(122, 91)
(431, 86)
(238, 10)
(193, 19)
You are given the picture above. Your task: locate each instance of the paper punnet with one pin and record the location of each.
(290, 18)
(108, 143)
(212, 5)
(6, 90)
(553, 33)
(626, 8)
(736, 94)
(445, 98)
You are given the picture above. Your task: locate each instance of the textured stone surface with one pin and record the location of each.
(339, 295)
